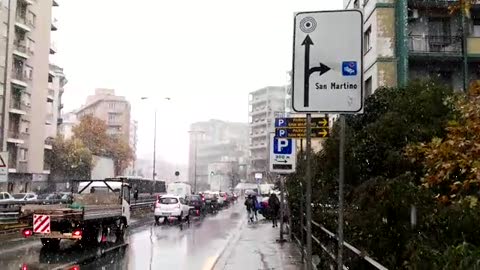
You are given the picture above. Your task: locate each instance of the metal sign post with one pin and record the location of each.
(282, 206)
(341, 176)
(327, 78)
(308, 199)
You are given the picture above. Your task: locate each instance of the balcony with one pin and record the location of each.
(435, 45)
(49, 119)
(54, 25)
(259, 110)
(258, 134)
(258, 157)
(473, 46)
(22, 166)
(21, 23)
(20, 49)
(18, 107)
(49, 143)
(258, 122)
(18, 78)
(258, 146)
(50, 95)
(17, 137)
(258, 100)
(53, 48)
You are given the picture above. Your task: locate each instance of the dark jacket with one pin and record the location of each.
(274, 203)
(250, 204)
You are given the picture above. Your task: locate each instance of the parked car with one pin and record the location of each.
(66, 196)
(169, 206)
(5, 196)
(50, 198)
(29, 196)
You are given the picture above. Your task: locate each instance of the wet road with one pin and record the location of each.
(194, 246)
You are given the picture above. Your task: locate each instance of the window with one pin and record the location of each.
(368, 87)
(356, 4)
(4, 29)
(112, 117)
(476, 27)
(31, 18)
(111, 105)
(23, 154)
(31, 46)
(168, 201)
(366, 40)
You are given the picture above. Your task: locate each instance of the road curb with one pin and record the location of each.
(230, 241)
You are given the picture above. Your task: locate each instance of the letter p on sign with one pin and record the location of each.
(282, 146)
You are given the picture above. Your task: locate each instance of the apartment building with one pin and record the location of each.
(264, 104)
(217, 141)
(25, 46)
(417, 39)
(114, 110)
(69, 120)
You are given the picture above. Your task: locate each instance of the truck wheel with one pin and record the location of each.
(99, 236)
(50, 243)
(121, 231)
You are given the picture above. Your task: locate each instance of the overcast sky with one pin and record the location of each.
(205, 55)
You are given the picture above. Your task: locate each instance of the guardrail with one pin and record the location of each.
(328, 242)
(10, 210)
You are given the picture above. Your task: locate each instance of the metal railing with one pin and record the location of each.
(18, 105)
(435, 44)
(328, 242)
(20, 47)
(18, 74)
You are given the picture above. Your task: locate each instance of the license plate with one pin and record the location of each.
(166, 214)
(209, 201)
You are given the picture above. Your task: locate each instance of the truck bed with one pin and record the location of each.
(63, 212)
(85, 207)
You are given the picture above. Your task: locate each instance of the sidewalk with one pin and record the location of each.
(256, 248)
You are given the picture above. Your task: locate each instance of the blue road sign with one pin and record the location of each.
(349, 68)
(282, 146)
(281, 133)
(280, 122)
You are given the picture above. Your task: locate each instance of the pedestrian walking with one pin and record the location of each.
(250, 205)
(274, 204)
(256, 206)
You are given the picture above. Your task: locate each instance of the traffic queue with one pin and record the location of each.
(180, 204)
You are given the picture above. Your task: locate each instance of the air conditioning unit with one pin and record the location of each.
(413, 14)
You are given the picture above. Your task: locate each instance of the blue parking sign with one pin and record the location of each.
(282, 146)
(280, 122)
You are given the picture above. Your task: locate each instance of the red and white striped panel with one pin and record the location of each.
(41, 224)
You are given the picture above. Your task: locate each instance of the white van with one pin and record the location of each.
(179, 189)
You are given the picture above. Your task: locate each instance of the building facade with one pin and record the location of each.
(264, 105)
(114, 110)
(217, 141)
(415, 39)
(69, 120)
(25, 73)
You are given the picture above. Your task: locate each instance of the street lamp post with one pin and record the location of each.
(154, 172)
